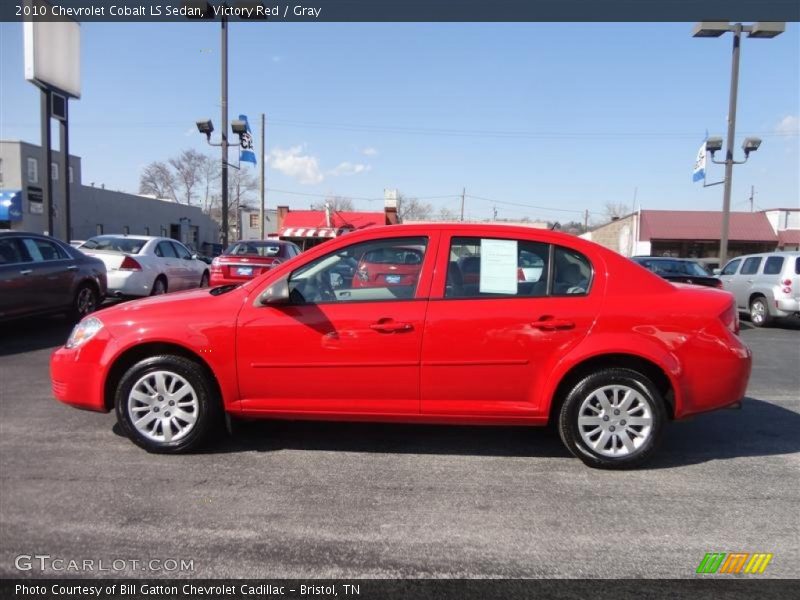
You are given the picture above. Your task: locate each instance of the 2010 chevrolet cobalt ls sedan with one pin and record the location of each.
(592, 341)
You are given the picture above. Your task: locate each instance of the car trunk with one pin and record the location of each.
(243, 267)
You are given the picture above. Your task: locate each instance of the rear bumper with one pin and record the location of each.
(216, 280)
(129, 283)
(717, 367)
(786, 307)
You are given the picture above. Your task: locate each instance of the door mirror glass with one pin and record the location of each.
(275, 294)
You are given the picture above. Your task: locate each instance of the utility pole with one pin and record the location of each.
(586, 220)
(752, 193)
(224, 53)
(463, 194)
(263, 183)
(494, 213)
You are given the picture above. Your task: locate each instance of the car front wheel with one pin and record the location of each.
(166, 404)
(612, 419)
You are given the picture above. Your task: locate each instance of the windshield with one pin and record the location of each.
(114, 244)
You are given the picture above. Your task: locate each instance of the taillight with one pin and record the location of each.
(130, 264)
(215, 266)
(363, 274)
(730, 318)
(787, 286)
(520, 275)
(718, 283)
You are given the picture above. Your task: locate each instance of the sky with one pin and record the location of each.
(538, 120)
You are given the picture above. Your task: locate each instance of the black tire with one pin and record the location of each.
(159, 286)
(759, 312)
(614, 451)
(185, 435)
(85, 302)
(204, 280)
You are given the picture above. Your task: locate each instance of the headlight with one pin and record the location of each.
(83, 332)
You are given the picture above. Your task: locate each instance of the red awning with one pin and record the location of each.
(312, 232)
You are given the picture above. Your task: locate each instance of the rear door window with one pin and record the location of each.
(750, 265)
(489, 268)
(165, 250)
(774, 265)
(43, 250)
(11, 252)
(181, 250)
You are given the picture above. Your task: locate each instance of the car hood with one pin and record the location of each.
(175, 303)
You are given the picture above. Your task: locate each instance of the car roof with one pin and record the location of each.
(664, 258)
(789, 253)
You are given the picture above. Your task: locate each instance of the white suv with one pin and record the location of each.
(766, 286)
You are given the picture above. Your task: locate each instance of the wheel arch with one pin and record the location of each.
(134, 354)
(623, 360)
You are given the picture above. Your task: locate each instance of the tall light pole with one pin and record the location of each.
(224, 132)
(716, 29)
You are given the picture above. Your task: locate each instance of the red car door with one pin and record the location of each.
(492, 337)
(337, 348)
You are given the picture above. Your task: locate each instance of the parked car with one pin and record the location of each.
(393, 266)
(140, 265)
(243, 260)
(678, 270)
(40, 274)
(767, 286)
(610, 361)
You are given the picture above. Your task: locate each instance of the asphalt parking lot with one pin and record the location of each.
(293, 499)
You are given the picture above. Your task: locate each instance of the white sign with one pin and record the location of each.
(498, 267)
(53, 55)
(700, 164)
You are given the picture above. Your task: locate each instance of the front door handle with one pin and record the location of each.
(549, 323)
(26, 272)
(389, 326)
(72, 268)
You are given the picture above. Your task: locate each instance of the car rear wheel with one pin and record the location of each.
(159, 286)
(759, 312)
(612, 419)
(166, 404)
(86, 301)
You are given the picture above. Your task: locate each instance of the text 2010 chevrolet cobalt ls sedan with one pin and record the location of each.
(592, 341)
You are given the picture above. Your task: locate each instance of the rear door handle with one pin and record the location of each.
(72, 268)
(26, 272)
(391, 326)
(548, 323)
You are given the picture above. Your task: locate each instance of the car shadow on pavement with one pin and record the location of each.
(758, 429)
(34, 333)
(386, 438)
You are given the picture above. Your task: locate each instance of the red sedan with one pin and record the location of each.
(242, 261)
(597, 344)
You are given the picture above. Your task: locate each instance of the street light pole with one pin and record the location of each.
(224, 132)
(726, 195)
(713, 29)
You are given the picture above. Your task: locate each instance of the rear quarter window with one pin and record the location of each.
(774, 265)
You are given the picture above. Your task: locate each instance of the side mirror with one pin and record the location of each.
(195, 257)
(275, 294)
(716, 271)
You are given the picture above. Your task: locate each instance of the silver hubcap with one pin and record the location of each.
(85, 303)
(163, 406)
(757, 312)
(615, 420)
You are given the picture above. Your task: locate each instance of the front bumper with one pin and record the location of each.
(77, 374)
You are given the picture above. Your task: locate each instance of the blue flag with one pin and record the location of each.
(246, 153)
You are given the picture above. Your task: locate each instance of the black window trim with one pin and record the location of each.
(550, 273)
(413, 298)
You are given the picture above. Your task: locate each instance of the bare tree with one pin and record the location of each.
(158, 180)
(209, 175)
(615, 210)
(412, 209)
(445, 214)
(337, 204)
(187, 170)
